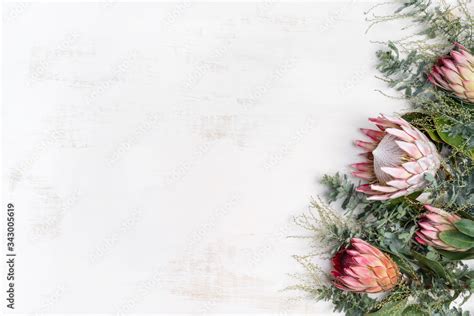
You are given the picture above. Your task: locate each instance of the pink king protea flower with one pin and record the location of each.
(398, 158)
(432, 224)
(364, 268)
(455, 72)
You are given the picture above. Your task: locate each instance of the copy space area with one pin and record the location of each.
(156, 153)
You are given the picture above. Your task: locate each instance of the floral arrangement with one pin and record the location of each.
(402, 242)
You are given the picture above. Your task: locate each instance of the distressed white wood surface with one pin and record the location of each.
(156, 152)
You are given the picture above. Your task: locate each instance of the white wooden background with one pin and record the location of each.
(156, 152)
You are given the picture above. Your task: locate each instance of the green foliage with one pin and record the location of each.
(432, 279)
(350, 303)
(391, 308)
(465, 226)
(341, 188)
(404, 62)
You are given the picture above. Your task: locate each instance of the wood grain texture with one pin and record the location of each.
(156, 152)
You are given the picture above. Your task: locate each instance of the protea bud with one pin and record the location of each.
(455, 72)
(434, 222)
(364, 268)
(398, 159)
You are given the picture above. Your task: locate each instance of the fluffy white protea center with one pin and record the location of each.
(386, 154)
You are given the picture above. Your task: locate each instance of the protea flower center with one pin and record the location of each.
(386, 154)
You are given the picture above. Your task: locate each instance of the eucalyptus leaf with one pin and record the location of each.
(465, 226)
(414, 310)
(455, 256)
(442, 128)
(457, 239)
(392, 308)
(432, 265)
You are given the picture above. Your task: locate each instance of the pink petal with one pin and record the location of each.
(466, 73)
(365, 188)
(469, 84)
(383, 189)
(423, 147)
(398, 121)
(452, 76)
(426, 226)
(366, 145)
(341, 287)
(352, 252)
(458, 89)
(411, 131)
(362, 166)
(439, 244)
(430, 234)
(375, 135)
(359, 271)
(436, 218)
(399, 184)
(397, 173)
(399, 134)
(448, 63)
(398, 194)
(421, 240)
(381, 197)
(366, 175)
(351, 282)
(412, 167)
(444, 227)
(410, 149)
(425, 163)
(433, 209)
(439, 81)
(417, 179)
(364, 247)
(367, 260)
(379, 121)
(458, 57)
